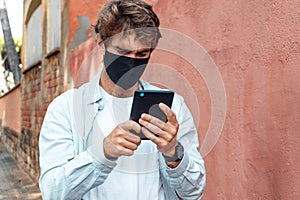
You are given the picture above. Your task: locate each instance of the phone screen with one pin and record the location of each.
(146, 101)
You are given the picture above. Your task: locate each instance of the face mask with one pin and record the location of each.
(124, 71)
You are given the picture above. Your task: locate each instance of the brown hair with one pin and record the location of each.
(121, 16)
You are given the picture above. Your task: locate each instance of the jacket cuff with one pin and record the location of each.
(96, 152)
(180, 169)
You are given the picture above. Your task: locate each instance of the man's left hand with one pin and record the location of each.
(163, 134)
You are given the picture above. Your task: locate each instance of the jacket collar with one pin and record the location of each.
(93, 93)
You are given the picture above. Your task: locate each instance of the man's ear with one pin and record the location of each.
(98, 40)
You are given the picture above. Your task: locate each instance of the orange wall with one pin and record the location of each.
(77, 8)
(89, 8)
(10, 104)
(255, 46)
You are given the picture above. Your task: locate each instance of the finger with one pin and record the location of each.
(156, 130)
(151, 136)
(130, 126)
(116, 148)
(166, 127)
(171, 116)
(153, 120)
(123, 151)
(131, 137)
(153, 128)
(129, 145)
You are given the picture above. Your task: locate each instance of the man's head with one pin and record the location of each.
(129, 31)
(125, 17)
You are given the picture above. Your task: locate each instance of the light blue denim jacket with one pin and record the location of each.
(69, 169)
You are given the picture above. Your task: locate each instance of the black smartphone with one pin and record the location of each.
(146, 101)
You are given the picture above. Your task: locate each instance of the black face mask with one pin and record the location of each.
(124, 71)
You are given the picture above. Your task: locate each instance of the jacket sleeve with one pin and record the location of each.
(188, 178)
(66, 172)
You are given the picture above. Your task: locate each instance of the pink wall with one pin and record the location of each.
(255, 45)
(10, 105)
(10, 118)
(80, 8)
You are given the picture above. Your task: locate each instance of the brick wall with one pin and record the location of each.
(40, 85)
(10, 138)
(31, 89)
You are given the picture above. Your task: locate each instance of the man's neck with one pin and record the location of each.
(111, 88)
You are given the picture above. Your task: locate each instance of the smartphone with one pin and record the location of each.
(146, 101)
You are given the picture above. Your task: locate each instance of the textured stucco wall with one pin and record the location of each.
(255, 45)
(82, 15)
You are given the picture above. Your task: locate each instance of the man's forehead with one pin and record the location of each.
(127, 41)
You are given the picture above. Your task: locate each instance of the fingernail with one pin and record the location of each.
(141, 121)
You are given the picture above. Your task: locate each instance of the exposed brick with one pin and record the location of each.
(47, 77)
(39, 87)
(53, 83)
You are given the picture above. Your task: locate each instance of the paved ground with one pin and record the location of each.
(14, 183)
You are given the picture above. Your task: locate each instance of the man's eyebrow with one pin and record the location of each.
(142, 50)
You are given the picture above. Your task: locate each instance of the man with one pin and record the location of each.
(87, 148)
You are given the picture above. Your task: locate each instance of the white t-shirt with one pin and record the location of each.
(135, 177)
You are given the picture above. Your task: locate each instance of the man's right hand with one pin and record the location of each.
(121, 142)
